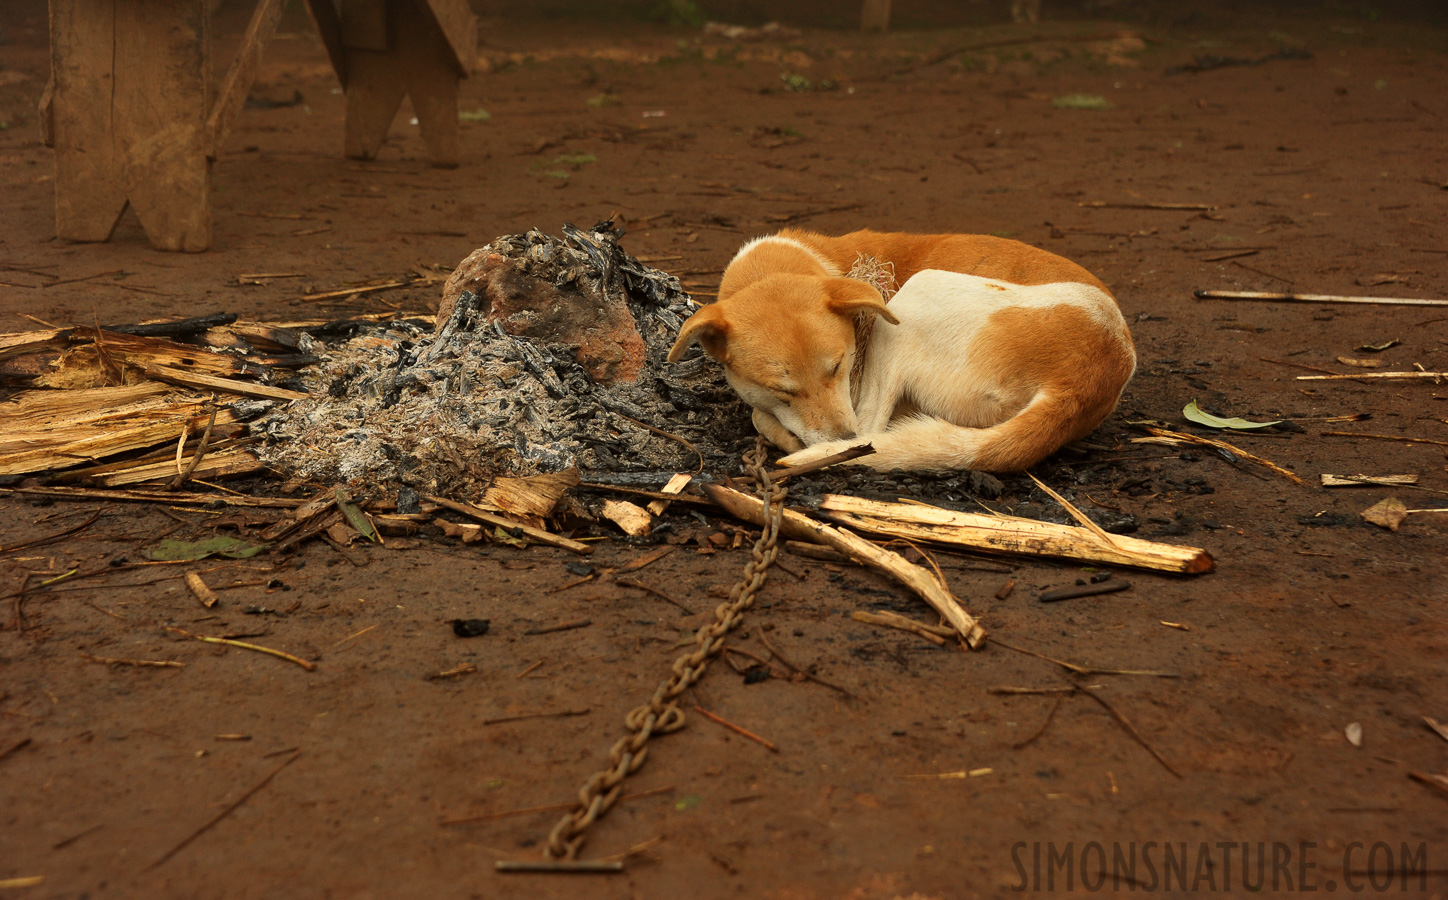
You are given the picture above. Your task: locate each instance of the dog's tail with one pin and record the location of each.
(1047, 423)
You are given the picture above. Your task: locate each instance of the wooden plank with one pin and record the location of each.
(159, 101)
(225, 385)
(1008, 534)
(89, 193)
(242, 73)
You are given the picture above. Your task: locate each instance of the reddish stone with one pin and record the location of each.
(601, 332)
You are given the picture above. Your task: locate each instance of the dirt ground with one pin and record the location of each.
(1332, 168)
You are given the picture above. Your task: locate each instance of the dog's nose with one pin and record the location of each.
(848, 435)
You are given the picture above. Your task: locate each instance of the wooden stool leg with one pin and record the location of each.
(89, 198)
(162, 79)
(374, 92)
(432, 82)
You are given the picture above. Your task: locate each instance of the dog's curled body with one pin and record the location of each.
(992, 355)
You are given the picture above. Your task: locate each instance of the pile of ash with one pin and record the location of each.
(548, 353)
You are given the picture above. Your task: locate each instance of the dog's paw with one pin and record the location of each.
(817, 452)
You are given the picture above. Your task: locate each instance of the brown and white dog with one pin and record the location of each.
(992, 355)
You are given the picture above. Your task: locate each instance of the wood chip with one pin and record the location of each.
(633, 519)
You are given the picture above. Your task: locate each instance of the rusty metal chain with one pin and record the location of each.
(661, 715)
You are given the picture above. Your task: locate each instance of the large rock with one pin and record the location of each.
(600, 330)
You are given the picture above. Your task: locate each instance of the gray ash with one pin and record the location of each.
(449, 410)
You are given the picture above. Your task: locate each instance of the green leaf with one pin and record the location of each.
(692, 801)
(477, 115)
(1194, 414)
(599, 101)
(221, 545)
(355, 517)
(1081, 101)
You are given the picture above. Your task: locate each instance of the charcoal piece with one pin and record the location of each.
(409, 503)
(755, 674)
(470, 628)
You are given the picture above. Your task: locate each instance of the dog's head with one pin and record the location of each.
(787, 343)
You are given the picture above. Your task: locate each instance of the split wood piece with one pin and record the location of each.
(676, 484)
(198, 588)
(466, 532)
(1107, 204)
(1315, 298)
(537, 534)
(225, 440)
(225, 385)
(816, 551)
(1009, 534)
(902, 623)
(305, 512)
(530, 499)
(171, 499)
(797, 526)
(834, 459)
(314, 527)
(1410, 375)
(1073, 591)
(632, 518)
(25, 343)
(215, 465)
(1366, 480)
(1180, 437)
(600, 488)
(68, 434)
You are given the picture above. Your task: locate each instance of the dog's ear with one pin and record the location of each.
(851, 295)
(707, 327)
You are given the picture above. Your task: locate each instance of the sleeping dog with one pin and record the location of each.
(992, 354)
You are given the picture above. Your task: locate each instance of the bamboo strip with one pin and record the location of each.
(798, 526)
(1008, 534)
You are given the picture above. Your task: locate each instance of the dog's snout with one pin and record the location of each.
(848, 435)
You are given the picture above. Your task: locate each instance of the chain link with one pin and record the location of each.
(661, 715)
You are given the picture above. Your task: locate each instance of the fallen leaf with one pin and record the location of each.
(1354, 734)
(1081, 101)
(1379, 348)
(1388, 513)
(1194, 414)
(221, 545)
(692, 801)
(1360, 363)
